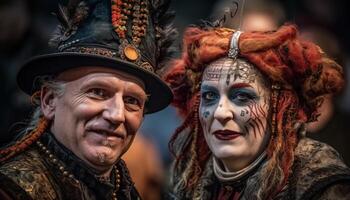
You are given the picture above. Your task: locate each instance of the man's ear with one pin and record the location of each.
(48, 103)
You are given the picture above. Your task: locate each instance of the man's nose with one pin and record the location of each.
(224, 111)
(114, 110)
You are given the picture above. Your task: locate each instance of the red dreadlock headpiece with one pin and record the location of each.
(303, 74)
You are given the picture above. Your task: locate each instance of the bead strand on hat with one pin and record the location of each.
(140, 22)
(68, 44)
(60, 166)
(118, 18)
(122, 10)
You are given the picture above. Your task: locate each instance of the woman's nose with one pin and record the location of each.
(224, 111)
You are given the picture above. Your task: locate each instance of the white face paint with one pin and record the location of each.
(233, 112)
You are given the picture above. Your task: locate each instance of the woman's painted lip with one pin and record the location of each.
(226, 134)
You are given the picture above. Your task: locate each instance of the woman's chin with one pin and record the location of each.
(226, 152)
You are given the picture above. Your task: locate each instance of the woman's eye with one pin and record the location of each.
(98, 93)
(243, 97)
(209, 96)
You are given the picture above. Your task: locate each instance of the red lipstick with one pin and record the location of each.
(226, 134)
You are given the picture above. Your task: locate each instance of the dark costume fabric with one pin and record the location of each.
(318, 173)
(34, 174)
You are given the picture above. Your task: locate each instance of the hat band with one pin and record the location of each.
(106, 53)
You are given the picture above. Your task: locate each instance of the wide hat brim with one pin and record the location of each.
(52, 64)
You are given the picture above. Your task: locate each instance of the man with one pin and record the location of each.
(90, 98)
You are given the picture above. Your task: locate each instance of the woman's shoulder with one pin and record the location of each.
(316, 155)
(317, 166)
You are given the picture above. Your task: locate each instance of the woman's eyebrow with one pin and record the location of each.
(208, 87)
(240, 85)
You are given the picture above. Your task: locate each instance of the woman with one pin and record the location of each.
(245, 98)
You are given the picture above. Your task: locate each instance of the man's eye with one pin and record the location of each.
(132, 103)
(98, 93)
(209, 96)
(131, 100)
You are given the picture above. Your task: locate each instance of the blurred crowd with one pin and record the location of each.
(26, 26)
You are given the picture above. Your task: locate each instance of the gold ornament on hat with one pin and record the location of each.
(131, 53)
(122, 10)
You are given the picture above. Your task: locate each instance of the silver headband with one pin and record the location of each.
(233, 51)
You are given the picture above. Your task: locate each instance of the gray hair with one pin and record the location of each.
(58, 88)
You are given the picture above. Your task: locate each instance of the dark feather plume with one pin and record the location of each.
(72, 4)
(56, 36)
(69, 14)
(165, 32)
(63, 16)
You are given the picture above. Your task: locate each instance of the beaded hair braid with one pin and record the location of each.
(28, 138)
(24, 142)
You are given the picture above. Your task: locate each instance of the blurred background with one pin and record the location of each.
(26, 26)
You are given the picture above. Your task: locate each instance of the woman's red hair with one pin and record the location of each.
(300, 68)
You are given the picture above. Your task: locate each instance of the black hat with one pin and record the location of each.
(133, 36)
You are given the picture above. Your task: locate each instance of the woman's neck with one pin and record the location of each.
(236, 164)
(224, 174)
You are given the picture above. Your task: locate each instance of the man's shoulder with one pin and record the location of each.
(316, 167)
(27, 173)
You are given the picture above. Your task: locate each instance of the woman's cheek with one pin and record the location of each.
(205, 115)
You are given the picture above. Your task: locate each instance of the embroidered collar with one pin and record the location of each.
(238, 176)
(84, 173)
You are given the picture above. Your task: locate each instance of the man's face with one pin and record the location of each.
(233, 111)
(98, 114)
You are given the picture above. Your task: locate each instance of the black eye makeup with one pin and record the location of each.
(209, 95)
(243, 96)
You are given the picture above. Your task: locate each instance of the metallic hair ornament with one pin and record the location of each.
(234, 50)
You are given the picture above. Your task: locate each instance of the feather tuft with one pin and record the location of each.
(63, 16)
(165, 32)
(70, 15)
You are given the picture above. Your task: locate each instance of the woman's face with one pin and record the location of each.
(233, 111)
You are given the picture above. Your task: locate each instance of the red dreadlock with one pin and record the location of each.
(24, 142)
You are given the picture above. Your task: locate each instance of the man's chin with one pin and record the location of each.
(101, 157)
